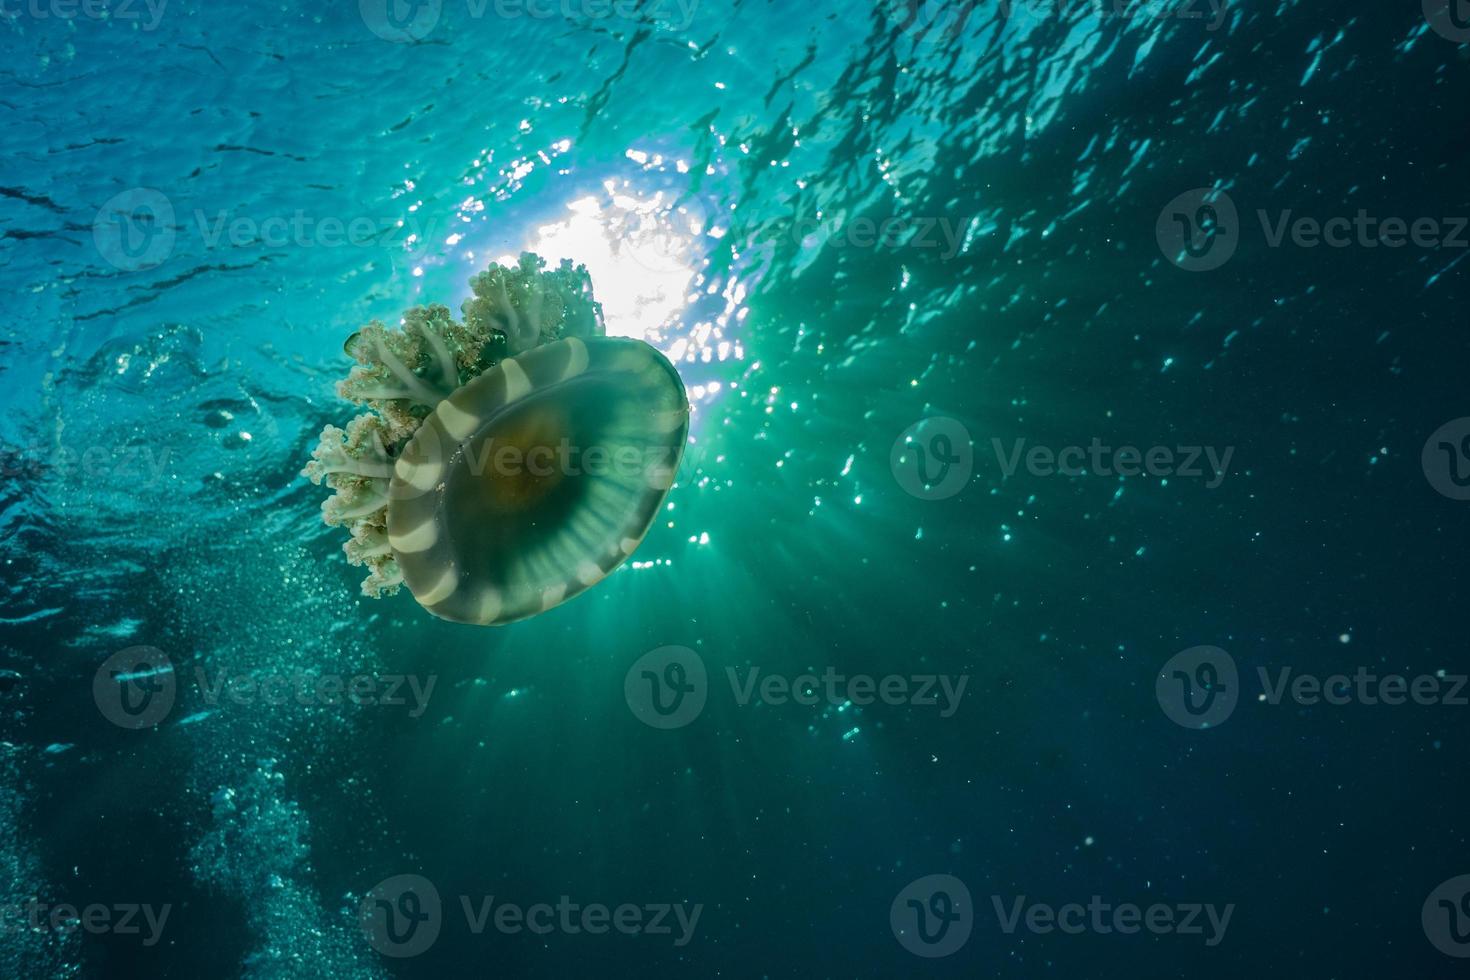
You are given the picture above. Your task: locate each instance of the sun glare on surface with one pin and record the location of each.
(642, 252)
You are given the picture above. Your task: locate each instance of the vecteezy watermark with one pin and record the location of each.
(302, 230)
(135, 688)
(895, 690)
(138, 230)
(305, 688)
(930, 21)
(116, 466)
(941, 21)
(1362, 686)
(407, 21)
(145, 13)
(96, 918)
(662, 235)
(404, 915)
(1200, 688)
(1104, 918)
(1446, 917)
(676, 15)
(668, 688)
(400, 21)
(933, 458)
(564, 458)
(1450, 19)
(1211, 12)
(573, 918)
(1201, 229)
(138, 687)
(932, 916)
(941, 234)
(1446, 459)
(135, 230)
(1097, 459)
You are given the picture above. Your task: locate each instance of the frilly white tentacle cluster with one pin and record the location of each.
(403, 372)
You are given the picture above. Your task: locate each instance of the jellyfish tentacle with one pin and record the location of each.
(387, 395)
(415, 388)
(339, 509)
(533, 314)
(385, 577)
(521, 330)
(355, 467)
(448, 370)
(365, 470)
(368, 542)
(509, 319)
(342, 452)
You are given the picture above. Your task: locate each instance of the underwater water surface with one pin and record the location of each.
(1063, 575)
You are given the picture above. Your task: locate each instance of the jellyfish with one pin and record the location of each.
(507, 462)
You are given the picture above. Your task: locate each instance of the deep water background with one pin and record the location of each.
(1056, 141)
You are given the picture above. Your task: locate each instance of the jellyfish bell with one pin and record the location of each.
(506, 461)
(536, 479)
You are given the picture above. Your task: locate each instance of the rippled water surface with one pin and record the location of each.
(838, 221)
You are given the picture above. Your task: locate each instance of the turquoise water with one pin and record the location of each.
(838, 221)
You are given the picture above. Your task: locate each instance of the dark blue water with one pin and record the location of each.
(925, 272)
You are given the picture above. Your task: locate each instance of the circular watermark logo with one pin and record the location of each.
(667, 687)
(1446, 917)
(664, 239)
(400, 21)
(932, 916)
(1450, 19)
(1199, 687)
(135, 230)
(1199, 230)
(933, 459)
(402, 915)
(936, 22)
(135, 688)
(1446, 459)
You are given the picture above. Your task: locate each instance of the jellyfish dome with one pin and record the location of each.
(507, 462)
